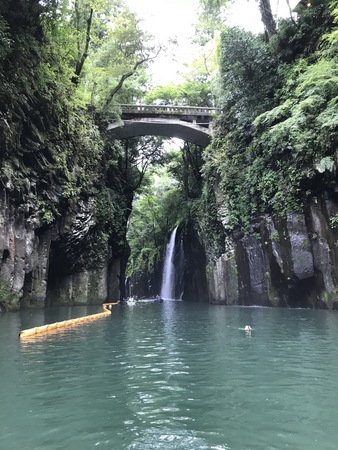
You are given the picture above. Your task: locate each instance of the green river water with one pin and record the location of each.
(171, 375)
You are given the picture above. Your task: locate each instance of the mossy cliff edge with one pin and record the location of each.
(269, 201)
(64, 199)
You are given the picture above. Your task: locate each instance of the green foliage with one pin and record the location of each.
(171, 194)
(52, 153)
(210, 19)
(110, 216)
(326, 163)
(156, 211)
(5, 40)
(334, 221)
(207, 217)
(302, 38)
(274, 236)
(249, 74)
(8, 298)
(294, 140)
(191, 93)
(116, 71)
(186, 166)
(275, 142)
(20, 49)
(45, 213)
(273, 146)
(331, 38)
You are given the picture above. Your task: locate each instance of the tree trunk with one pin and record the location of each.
(290, 12)
(267, 17)
(82, 57)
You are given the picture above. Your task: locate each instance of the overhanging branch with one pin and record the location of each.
(127, 75)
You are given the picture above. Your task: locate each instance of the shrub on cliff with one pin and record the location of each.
(275, 142)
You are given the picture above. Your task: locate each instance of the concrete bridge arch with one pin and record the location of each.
(191, 124)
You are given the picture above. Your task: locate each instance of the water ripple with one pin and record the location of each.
(173, 376)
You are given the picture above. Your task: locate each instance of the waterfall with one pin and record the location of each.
(168, 278)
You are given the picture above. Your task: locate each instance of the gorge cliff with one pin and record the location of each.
(257, 209)
(290, 262)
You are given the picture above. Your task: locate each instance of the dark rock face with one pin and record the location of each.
(223, 280)
(42, 265)
(253, 283)
(194, 283)
(24, 264)
(291, 262)
(147, 284)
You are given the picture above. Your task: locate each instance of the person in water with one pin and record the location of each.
(247, 328)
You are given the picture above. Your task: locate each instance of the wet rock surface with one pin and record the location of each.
(290, 262)
(42, 266)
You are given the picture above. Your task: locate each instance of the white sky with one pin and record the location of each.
(168, 19)
(175, 19)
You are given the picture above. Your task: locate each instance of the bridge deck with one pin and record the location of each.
(190, 123)
(169, 110)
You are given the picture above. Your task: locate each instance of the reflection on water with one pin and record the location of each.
(171, 376)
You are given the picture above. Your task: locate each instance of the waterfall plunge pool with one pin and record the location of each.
(174, 375)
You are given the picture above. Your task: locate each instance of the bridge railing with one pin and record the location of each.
(169, 109)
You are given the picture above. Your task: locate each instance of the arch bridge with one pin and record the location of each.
(190, 123)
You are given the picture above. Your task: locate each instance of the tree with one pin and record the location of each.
(186, 166)
(157, 208)
(210, 19)
(89, 22)
(82, 51)
(267, 18)
(123, 54)
(305, 36)
(190, 93)
(249, 74)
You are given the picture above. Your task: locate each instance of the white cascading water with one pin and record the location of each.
(168, 277)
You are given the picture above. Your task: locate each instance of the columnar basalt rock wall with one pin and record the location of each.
(290, 262)
(26, 251)
(194, 283)
(24, 257)
(87, 287)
